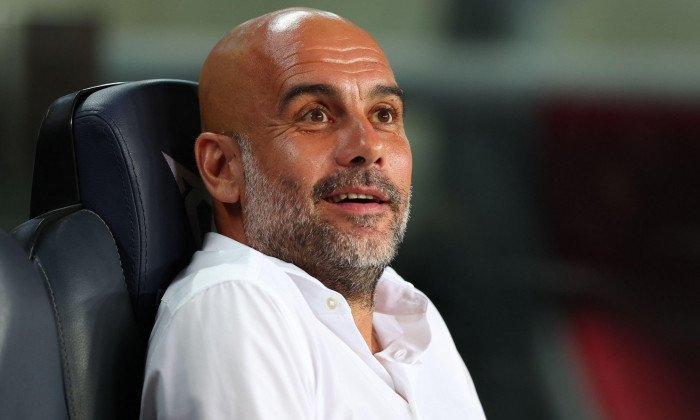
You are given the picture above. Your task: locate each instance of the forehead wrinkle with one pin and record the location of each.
(342, 49)
(358, 71)
(350, 61)
(291, 68)
(294, 51)
(366, 60)
(290, 58)
(334, 49)
(284, 76)
(324, 53)
(284, 81)
(367, 51)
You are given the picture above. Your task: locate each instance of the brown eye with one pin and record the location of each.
(384, 116)
(316, 116)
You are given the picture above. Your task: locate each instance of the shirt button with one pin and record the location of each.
(400, 354)
(332, 302)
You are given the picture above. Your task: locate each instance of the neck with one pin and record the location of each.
(358, 287)
(362, 314)
(356, 284)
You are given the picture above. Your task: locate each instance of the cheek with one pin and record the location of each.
(299, 162)
(400, 165)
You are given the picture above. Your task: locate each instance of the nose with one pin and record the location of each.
(360, 145)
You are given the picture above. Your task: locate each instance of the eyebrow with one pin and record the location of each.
(385, 90)
(299, 90)
(294, 91)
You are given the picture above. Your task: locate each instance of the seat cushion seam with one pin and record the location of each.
(61, 339)
(116, 154)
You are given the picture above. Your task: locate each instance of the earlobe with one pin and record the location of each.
(219, 162)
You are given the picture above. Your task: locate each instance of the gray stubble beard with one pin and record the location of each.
(280, 221)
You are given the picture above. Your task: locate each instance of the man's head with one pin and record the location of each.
(303, 149)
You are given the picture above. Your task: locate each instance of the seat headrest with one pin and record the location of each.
(134, 166)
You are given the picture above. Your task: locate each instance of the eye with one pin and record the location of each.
(316, 115)
(384, 116)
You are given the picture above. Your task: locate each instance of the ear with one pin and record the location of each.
(219, 162)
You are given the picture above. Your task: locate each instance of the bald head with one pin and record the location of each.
(307, 94)
(249, 65)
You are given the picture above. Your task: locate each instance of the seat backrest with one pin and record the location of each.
(101, 352)
(117, 211)
(30, 356)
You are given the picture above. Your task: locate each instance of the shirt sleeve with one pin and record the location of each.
(232, 351)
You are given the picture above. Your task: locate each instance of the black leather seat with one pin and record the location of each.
(31, 383)
(116, 212)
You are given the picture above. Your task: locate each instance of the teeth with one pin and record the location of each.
(352, 196)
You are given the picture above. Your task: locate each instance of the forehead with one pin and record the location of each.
(329, 51)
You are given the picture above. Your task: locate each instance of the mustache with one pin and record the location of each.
(371, 178)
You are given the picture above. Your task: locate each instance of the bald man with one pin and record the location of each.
(290, 311)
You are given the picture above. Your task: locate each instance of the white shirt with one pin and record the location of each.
(241, 335)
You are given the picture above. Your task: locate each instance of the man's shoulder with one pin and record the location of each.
(225, 263)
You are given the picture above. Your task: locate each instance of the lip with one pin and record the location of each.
(361, 191)
(357, 207)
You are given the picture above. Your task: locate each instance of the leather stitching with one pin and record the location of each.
(116, 153)
(114, 243)
(139, 199)
(66, 364)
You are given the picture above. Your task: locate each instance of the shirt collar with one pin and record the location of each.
(399, 313)
(399, 320)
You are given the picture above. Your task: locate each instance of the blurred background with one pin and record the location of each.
(556, 220)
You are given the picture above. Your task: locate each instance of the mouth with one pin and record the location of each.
(358, 192)
(359, 198)
(357, 201)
